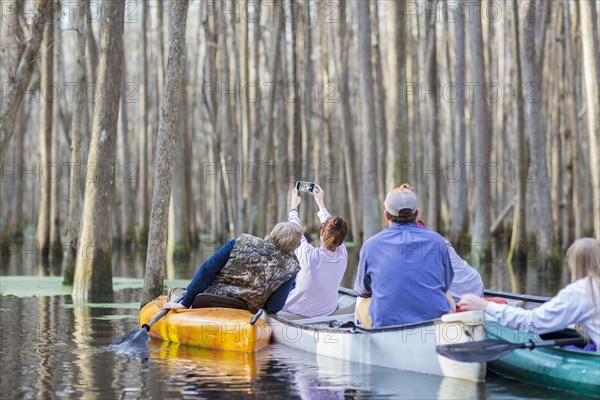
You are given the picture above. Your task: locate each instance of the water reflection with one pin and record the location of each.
(54, 349)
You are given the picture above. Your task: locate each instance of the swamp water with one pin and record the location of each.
(52, 348)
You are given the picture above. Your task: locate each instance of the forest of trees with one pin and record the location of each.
(166, 123)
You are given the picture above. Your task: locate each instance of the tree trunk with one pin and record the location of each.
(268, 151)
(371, 204)
(91, 44)
(27, 63)
(144, 134)
(75, 178)
(433, 139)
(254, 139)
(46, 107)
(381, 118)
(592, 85)
(481, 223)
(156, 258)
(519, 232)
(295, 142)
(178, 241)
(127, 232)
(55, 250)
(397, 146)
(460, 213)
(93, 272)
(533, 118)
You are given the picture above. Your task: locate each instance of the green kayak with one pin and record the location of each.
(553, 367)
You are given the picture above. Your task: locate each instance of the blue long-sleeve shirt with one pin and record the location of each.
(208, 271)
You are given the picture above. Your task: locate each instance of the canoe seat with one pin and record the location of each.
(207, 300)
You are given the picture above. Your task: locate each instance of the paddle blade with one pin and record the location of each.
(480, 351)
(137, 339)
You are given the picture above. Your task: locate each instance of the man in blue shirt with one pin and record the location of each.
(405, 269)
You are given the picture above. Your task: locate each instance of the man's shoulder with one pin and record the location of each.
(434, 236)
(374, 240)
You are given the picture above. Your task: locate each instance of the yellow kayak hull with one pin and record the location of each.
(214, 328)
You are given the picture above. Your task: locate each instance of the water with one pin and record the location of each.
(52, 348)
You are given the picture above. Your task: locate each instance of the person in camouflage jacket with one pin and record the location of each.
(261, 272)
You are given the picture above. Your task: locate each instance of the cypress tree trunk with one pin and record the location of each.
(156, 257)
(533, 126)
(591, 72)
(93, 271)
(371, 206)
(75, 178)
(42, 236)
(483, 140)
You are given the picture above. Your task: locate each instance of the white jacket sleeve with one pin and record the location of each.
(558, 313)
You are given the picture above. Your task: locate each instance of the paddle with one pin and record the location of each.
(491, 349)
(140, 338)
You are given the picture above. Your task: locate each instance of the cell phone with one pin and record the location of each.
(303, 186)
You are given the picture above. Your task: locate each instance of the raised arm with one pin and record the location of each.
(319, 195)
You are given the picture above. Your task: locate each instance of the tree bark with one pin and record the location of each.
(46, 108)
(380, 113)
(23, 75)
(268, 151)
(93, 271)
(519, 232)
(156, 257)
(460, 213)
(397, 146)
(483, 140)
(178, 241)
(592, 85)
(533, 118)
(371, 221)
(127, 233)
(76, 166)
(144, 209)
(433, 139)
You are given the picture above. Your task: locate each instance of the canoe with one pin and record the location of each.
(576, 371)
(407, 347)
(214, 328)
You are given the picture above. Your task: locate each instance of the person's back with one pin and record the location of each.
(322, 268)
(255, 269)
(406, 271)
(403, 271)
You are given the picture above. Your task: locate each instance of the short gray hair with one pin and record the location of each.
(286, 236)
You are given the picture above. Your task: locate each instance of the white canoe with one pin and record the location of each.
(407, 347)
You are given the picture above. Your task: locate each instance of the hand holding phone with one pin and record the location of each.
(303, 186)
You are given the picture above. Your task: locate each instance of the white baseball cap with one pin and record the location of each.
(400, 199)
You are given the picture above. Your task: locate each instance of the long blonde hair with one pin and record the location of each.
(583, 258)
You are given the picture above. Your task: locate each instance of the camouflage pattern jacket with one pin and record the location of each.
(255, 269)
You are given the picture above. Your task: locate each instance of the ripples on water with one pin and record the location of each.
(52, 349)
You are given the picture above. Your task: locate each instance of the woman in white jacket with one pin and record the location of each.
(322, 267)
(578, 303)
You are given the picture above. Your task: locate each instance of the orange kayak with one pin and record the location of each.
(215, 328)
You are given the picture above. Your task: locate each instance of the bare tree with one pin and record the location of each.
(93, 271)
(519, 233)
(591, 69)
(460, 214)
(433, 142)
(481, 223)
(153, 277)
(27, 62)
(533, 120)
(397, 140)
(127, 233)
(371, 222)
(143, 211)
(46, 111)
